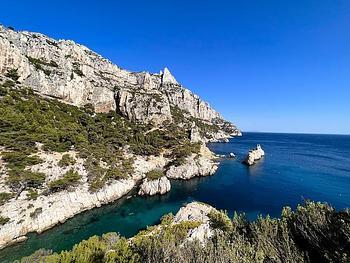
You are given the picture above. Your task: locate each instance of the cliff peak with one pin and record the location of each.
(168, 78)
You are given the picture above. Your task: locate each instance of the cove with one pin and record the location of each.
(296, 167)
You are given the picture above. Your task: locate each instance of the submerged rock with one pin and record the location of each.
(254, 155)
(153, 187)
(232, 155)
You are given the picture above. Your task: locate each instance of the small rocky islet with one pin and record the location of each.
(78, 132)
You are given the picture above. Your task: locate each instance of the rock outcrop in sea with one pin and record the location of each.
(254, 155)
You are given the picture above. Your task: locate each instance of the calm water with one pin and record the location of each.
(296, 167)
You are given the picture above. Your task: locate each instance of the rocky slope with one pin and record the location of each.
(74, 74)
(45, 211)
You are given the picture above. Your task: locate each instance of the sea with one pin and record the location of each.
(296, 168)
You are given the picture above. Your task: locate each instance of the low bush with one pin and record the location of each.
(220, 220)
(4, 220)
(36, 212)
(12, 74)
(70, 178)
(4, 197)
(66, 160)
(313, 233)
(154, 174)
(32, 194)
(21, 179)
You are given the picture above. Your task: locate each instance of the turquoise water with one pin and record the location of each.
(296, 167)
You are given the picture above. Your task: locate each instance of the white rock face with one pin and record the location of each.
(195, 135)
(153, 187)
(254, 155)
(55, 208)
(196, 212)
(58, 207)
(167, 78)
(194, 166)
(144, 107)
(74, 74)
(202, 164)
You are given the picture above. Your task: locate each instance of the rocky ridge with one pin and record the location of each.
(74, 74)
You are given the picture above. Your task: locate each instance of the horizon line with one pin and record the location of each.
(309, 133)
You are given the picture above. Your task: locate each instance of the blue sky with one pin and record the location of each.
(267, 65)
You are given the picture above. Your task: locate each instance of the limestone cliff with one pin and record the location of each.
(74, 74)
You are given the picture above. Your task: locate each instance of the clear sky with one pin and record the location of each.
(266, 65)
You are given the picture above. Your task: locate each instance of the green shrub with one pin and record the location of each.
(220, 220)
(8, 84)
(21, 179)
(39, 63)
(4, 197)
(154, 174)
(12, 74)
(167, 219)
(32, 194)
(4, 220)
(183, 151)
(19, 160)
(36, 212)
(70, 178)
(66, 160)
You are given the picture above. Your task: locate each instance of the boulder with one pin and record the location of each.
(153, 187)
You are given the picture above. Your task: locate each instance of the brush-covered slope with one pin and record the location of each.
(314, 232)
(76, 75)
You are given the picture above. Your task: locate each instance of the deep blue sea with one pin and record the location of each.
(296, 167)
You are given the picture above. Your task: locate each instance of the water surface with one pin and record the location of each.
(296, 167)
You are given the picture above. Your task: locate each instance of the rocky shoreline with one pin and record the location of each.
(49, 210)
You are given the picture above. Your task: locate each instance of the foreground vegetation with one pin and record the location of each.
(314, 232)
